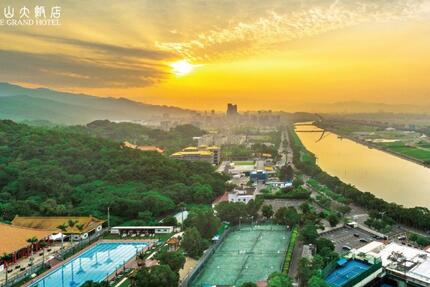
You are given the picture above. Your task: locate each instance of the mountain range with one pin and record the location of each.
(19, 104)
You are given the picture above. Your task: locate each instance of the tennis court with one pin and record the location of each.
(248, 254)
(342, 274)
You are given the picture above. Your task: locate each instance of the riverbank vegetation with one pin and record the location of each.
(408, 143)
(417, 217)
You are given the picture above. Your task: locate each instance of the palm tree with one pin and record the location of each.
(5, 257)
(43, 244)
(80, 227)
(63, 228)
(72, 224)
(32, 240)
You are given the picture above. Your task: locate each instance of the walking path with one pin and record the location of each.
(38, 257)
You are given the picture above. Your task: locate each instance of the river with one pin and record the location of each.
(389, 177)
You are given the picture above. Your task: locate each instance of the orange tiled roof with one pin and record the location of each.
(144, 147)
(221, 198)
(51, 223)
(14, 238)
(173, 240)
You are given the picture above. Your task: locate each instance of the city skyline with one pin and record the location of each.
(267, 55)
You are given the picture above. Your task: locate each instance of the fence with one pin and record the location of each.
(201, 263)
(333, 264)
(61, 255)
(375, 267)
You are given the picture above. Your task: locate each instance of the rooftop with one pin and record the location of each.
(201, 153)
(14, 238)
(221, 198)
(413, 262)
(397, 258)
(52, 222)
(244, 190)
(144, 147)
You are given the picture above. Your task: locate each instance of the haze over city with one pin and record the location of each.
(203, 143)
(284, 55)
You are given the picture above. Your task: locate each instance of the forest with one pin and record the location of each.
(62, 171)
(172, 140)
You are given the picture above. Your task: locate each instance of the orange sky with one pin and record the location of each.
(260, 54)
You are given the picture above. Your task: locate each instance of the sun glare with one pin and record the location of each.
(182, 68)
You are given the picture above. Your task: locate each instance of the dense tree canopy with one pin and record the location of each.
(205, 221)
(309, 233)
(61, 172)
(175, 260)
(156, 276)
(278, 279)
(287, 216)
(172, 140)
(231, 211)
(193, 243)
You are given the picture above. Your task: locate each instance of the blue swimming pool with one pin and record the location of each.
(94, 264)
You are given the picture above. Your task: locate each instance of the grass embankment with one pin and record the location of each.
(244, 163)
(326, 191)
(304, 155)
(405, 146)
(289, 253)
(297, 193)
(420, 151)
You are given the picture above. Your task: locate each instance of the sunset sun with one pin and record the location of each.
(182, 68)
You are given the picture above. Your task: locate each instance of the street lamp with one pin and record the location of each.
(108, 217)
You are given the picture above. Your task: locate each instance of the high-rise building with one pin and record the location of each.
(231, 110)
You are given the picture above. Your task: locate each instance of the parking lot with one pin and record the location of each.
(347, 236)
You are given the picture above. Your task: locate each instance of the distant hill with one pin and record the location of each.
(19, 104)
(173, 140)
(347, 107)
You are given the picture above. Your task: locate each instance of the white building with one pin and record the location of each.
(141, 230)
(244, 194)
(280, 184)
(402, 263)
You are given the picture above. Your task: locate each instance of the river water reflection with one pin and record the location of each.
(387, 176)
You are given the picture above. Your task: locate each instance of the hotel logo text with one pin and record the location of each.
(30, 16)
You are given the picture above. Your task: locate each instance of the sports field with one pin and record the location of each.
(347, 272)
(249, 254)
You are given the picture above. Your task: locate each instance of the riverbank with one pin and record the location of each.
(372, 179)
(372, 145)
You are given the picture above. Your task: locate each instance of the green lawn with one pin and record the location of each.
(244, 163)
(325, 190)
(419, 153)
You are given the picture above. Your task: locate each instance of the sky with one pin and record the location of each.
(202, 54)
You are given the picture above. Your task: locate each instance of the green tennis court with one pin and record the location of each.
(249, 254)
